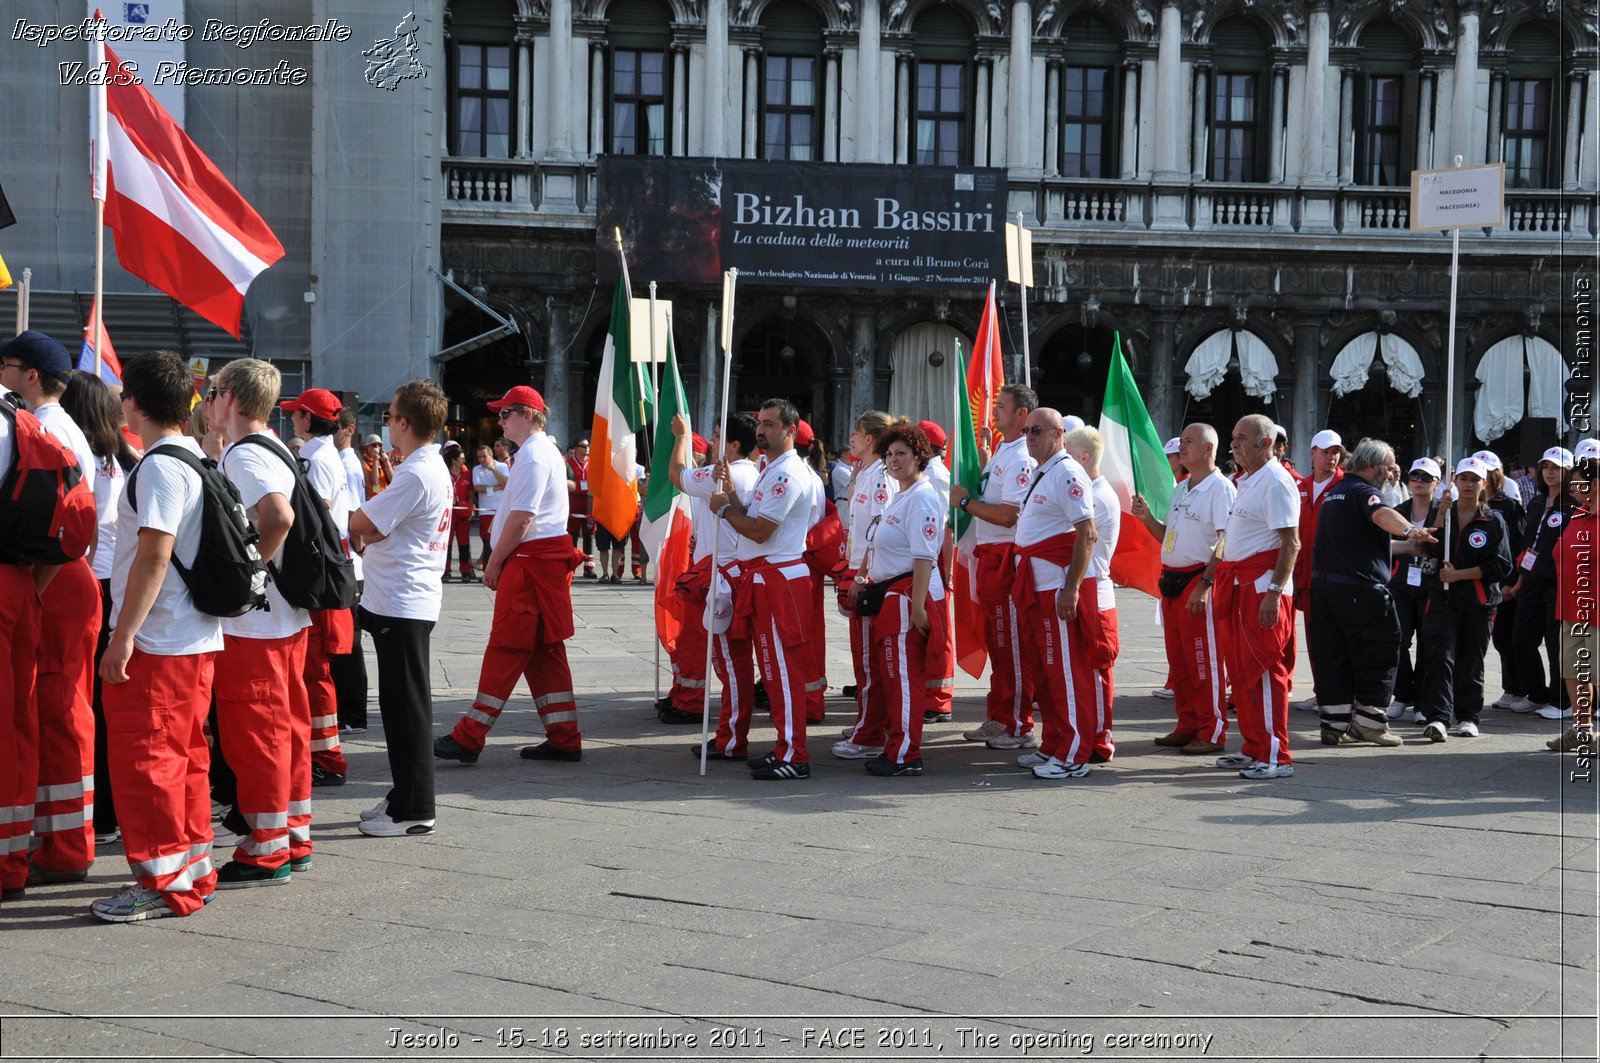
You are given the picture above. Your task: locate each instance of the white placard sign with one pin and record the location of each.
(1466, 197)
(639, 323)
(1015, 236)
(146, 35)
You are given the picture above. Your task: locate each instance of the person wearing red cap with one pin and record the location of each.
(684, 702)
(871, 490)
(941, 659)
(530, 570)
(315, 415)
(822, 557)
(1327, 455)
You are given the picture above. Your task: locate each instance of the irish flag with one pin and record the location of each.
(667, 523)
(620, 405)
(1134, 463)
(965, 469)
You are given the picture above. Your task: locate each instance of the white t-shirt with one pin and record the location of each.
(819, 497)
(874, 490)
(257, 474)
(538, 485)
(169, 497)
(1005, 481)
(60, 424)
(355, 494)
(489, 501)
(329, 478)
(404, 571)
(1059, 497)
(939, 476)
(1197, 514)
(1107, 528)
(1318, 486)
(911, 529)
(1267, 502)
(839, 475)
(700, 484)
(5, 439)
(782, 495)
(108, 483)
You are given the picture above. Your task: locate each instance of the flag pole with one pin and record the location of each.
(730, 278)
(98, 155)
(1022, 297)
(24, 291)
(655, 424)
(1450, 370)
(954, 471)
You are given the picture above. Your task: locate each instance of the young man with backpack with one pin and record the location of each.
(37, 368)
(158, 665)
(263, 714)
(333, 631)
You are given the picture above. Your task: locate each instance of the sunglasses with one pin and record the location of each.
(1420, 476)
(212, 393)
(510, 410)
(1042, 430)
(385, 416)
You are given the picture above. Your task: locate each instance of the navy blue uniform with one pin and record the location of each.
(1455, 631)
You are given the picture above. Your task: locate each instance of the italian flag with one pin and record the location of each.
(667, 522)
(621, 407)
(971, 653)
(1135, 462)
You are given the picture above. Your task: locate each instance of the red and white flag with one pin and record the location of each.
(180, 224)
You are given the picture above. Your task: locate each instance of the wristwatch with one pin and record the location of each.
(1207, 581)
(964, 501)
(1274, 588)
(723, 509)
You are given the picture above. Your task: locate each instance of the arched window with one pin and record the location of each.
(482, 80)
(1385, 106)
(943, 90)
(1089, 98)
(791, 35)
(639, 34)
(1239, 101)
(1530, 119)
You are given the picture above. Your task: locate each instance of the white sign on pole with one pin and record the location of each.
(1467, 197)
(639, 322)
(1019, 255)
(147, 34)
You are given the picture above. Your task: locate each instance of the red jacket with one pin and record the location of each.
(462, 485)
(1574, 558)
(1309, 512)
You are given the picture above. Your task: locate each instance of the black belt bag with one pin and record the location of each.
(869, 596)
(1173, 582)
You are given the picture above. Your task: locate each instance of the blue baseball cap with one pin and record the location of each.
(37, 351)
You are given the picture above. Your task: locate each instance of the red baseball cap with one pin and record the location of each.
(803, 436)
(318, 402)
(934, 433)
(698, 444)
(521, 395)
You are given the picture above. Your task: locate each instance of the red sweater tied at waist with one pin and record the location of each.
(548, 565)
(774, 585)
(996, 571)
(1057, 550)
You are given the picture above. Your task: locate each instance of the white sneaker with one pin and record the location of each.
(1236, 761)
(1164, 692)
(1417, 717)
(1434, 732)
(1504, 701)
(1465, 729)
(1268, 771)
(1060, 771)
(989, 729)
(1308, 705)
(1522, 704)
(379, 809)
(851, 751)
(1397, 709)
(384, 827)
(1005, 741)
(110, 837)
(1032, 760)
(1550, 712)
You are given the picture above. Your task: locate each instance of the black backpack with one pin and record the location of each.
(317, 573)
(228, 578)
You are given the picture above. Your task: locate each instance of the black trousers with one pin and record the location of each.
(349, 674)
(1513, 677)
(405, 700)
(1408, 608)
(1454, 641)
(1527, 626)
(105, 802)
(1353, 637)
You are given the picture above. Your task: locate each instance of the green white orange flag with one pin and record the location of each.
(966, 470)
(620, 404)
(1135, 462)
(667, 523)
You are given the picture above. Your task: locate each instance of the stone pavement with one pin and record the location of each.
(1433, 901)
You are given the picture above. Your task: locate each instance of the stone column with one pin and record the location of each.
(561, 79)
(984, 95)
(1169, 92)
(1164, 373)
(1586, 152)
(597, 96)
(1313, 167)
(1275, 127)
(1347, 124)
(752, 101)
(863, 360)
(1022, 151)
(869, 59)
(1464, 91)
(1052, 116)
(524, 43)
(831, 104)
(678, 143)
(716, 135)
(1494, 150)
(1570, 144)
(902, 109)
(1199, 150)
(1427, 92)
(1129, 147)
(1306, 419)
(558, 393)
(710, 372)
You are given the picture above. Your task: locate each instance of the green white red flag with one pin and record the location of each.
(1135, 462)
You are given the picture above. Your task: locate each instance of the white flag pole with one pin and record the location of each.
(954, 469)
(729, 280)
(24, 291)
(655, 423)
(1022, 296)
(98, 150)
(1450, 373)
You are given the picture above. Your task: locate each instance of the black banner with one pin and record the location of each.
(798, 224)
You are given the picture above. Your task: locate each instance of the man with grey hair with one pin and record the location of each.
(1353, 628)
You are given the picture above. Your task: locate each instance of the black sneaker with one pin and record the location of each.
(664, 702)
(713, 753)
(546, 751)
(13, 893)
(780, 769)
(320, 777)
(760, 760)
(234, 875)
(886, 768)
(447, 578)
(761, 700)
(445, 747)
(676, 716)
(933, 716)
(849, 692)
(468, 577)
(44, 876)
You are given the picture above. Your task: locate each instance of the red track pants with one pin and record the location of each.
(160, 767)
(1259, 662)
(940, 667)
(734, 662)
(332, 633)
(817, 670)
(63, 815)
(265, 726)
(901, 657)
(689, 660)
(1010, 685)
(19, 723)
(784, 664)
(1074, 694)
(1194, 660)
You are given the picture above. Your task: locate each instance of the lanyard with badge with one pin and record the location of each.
(1038, 477)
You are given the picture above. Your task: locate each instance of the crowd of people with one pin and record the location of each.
(180, 677)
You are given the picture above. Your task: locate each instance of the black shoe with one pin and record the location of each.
(933, 716)
(671, 715)
(712, 753)
(761, 700)
(664, 703)
(43, 876)
(445, 747)
(447, 578)
(780, 769)
(760, 760)
(321, 778)
(13, 893)
(849, 692)
(468, 577)
(546, 751)
(233, 875)
(1098, 757)
(886, 768)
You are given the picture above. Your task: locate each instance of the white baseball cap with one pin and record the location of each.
(1327, 439)
(1587, 449)
(1427, 465)
(1558, 456)
(1489, 458)
(1173, 445)
(1474, 466)
(1071, 423)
